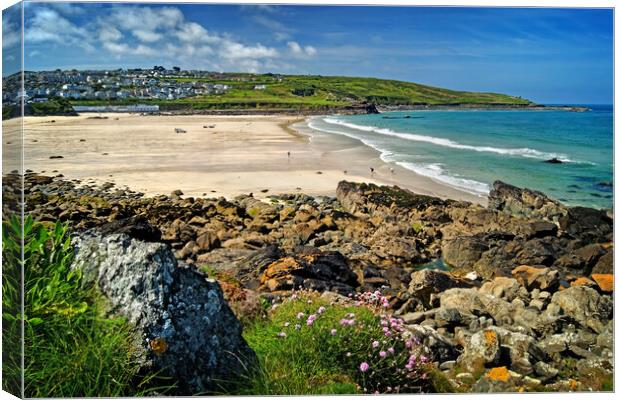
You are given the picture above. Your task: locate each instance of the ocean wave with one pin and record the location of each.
(438, 173)
(432, 170)
(522, 152)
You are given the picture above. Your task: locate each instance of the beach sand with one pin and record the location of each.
(238, 155)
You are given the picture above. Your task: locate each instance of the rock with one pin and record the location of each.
(583, 281)
(310, 268)
(463, 252)
(426, 282)
(498, 379)
(182, 323)
(588, 224)
(135, 227)
(483, 348)
(542, 229)
(554, 160)
(539, 278)
(507, 288)
(177, 193)
(605, 282)
(451, 317)
(207, 241)
(605, 264)
(545, 371)
(585, 306)
(524, 203)
(447, 365)
(438, 347)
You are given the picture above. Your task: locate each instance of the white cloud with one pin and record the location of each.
(193, 32)
(109, 34)
(11, 33)
(234, 50)
(298, 51)
(48, 25)
(146, 35)
(159, 35)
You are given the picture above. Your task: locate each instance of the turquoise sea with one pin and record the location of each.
(470, 149)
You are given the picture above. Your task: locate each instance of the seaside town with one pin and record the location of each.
(157, 83)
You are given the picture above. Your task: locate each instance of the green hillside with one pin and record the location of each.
(307, 92)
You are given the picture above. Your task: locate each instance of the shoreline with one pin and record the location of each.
(214, 156)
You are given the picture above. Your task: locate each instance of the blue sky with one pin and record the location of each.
(546, 55)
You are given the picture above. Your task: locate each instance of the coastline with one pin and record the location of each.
(238, 155)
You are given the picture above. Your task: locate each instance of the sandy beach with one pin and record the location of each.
(211, 156)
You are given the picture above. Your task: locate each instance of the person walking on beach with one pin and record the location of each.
(372, 171)
(391, 170)
(288, 153)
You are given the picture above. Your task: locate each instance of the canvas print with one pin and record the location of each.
(246, 199)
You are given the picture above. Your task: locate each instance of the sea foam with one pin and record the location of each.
(522, 152)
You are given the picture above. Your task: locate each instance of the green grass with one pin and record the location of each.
(71, 348)
(327, 91)
(312, 360)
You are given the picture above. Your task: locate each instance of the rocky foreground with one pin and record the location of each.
(526, 304)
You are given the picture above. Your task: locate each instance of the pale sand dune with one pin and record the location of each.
(241, 154)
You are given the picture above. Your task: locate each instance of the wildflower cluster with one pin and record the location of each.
(361, 338)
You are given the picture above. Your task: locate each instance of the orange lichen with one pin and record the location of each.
(158, 345)
(604, 281)
(582, 281)
(572, 384)
(498, 374)
(490, 337)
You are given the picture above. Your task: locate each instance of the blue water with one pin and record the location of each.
(470, 149)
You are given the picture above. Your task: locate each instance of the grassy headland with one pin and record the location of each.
(308, 92)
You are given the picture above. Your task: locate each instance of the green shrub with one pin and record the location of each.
(310, 346)
(71, 348)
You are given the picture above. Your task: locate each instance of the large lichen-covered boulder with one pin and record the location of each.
(183, 327)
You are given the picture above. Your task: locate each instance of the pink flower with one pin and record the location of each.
(282, 334)
(311, 319)
(294, 296)
(375, 344)
(409, 366)
(300, 315)
(333, 332)
(364, 366)
(388, 334)
(286, 324)
(408, 344)
(391, 350)
(382, 354)
(321, 310)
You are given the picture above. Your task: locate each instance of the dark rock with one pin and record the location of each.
(554, 160)
(310, 268)
(524, 202)
(183, 325)
(134, 227)
(605, 264)
(426, 282)
(463, 252)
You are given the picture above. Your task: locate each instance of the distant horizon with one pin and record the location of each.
(541, 54)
